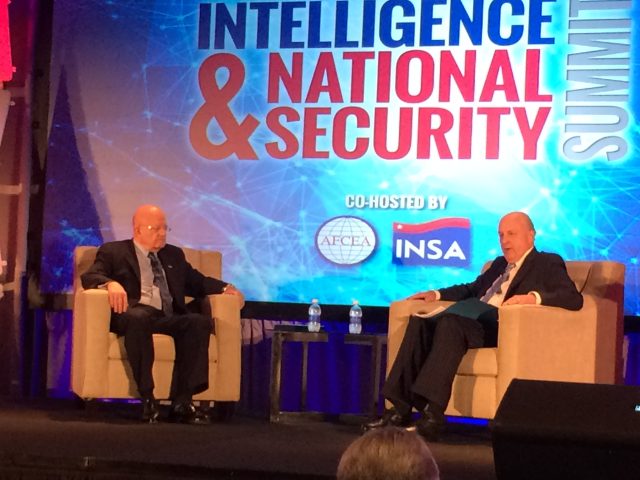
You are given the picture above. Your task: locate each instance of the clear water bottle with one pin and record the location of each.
(314, 316)
(355, 318)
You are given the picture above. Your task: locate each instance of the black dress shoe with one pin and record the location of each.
(430, 425)
(150, 410)
(186, 412)
(390, 418)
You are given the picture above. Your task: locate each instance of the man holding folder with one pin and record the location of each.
(433, 345)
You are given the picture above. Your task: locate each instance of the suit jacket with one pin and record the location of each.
(117, 261)
(542, 272)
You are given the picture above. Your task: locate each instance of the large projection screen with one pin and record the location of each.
(360, 149)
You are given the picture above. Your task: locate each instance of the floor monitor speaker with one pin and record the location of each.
(560, 430)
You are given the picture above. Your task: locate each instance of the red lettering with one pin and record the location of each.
(427, 129)
(403, 77)
(500, 64)
(358, 61)
(383, 86)
(449, 70)
(530, 136)
(380, 133)
(340, 130)
(493, 130)
(312, 132)
(532, 78)
(291, 144)
(325, 68)
(465, 133)
(292, 82)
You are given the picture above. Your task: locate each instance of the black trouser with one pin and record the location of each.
(429, 356)
(190, 334)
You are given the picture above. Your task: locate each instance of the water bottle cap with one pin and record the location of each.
(315, 300)
(355, 302)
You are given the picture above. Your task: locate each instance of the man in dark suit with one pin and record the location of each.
(147, 281)
(432, 348)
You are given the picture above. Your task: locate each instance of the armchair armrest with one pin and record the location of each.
(550, 343)
(91, 321)
(225, 312)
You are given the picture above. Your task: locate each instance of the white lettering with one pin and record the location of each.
(410, 247)
(455, 251)
(394, 202)
(438, 202)
(434, 246)
(349, 201)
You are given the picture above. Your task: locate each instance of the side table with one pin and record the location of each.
(289, 333)
(299, 333)
(376, 342)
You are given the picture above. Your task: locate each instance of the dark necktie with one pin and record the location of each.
(161, 282)
(496, 286)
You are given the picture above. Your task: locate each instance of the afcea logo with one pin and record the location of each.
(346, 240)
(443, 242)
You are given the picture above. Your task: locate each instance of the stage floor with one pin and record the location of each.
(57, 439)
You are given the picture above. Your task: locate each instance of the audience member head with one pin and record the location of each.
(150, 227)
(516, 234)
(388, 454)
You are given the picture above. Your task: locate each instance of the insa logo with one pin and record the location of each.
(443, 242)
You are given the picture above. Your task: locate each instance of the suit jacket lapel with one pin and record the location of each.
(526, 266)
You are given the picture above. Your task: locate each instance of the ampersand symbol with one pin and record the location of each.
(216, 105)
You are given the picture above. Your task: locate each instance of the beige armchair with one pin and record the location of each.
(99, 367)
(536, 342)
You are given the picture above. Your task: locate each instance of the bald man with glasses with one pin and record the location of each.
(147, 281)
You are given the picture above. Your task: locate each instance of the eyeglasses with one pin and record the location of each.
(161, 228)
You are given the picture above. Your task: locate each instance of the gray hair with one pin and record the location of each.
(388, 454)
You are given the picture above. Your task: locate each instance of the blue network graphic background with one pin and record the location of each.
(126, 89)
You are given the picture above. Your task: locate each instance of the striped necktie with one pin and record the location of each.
(161, 282)
(497, 283)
